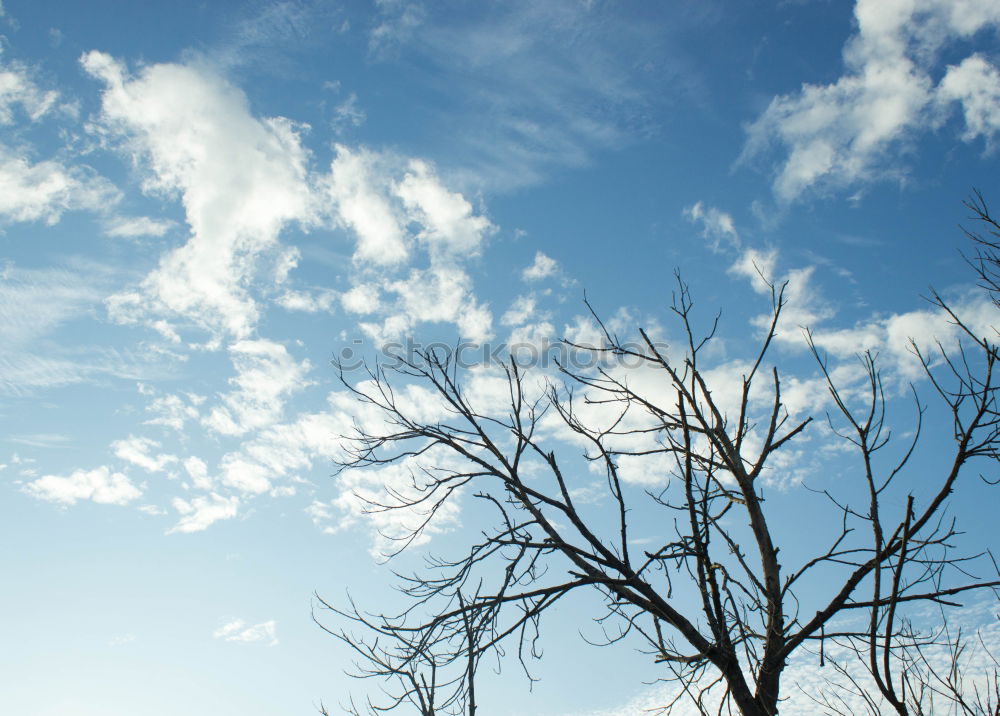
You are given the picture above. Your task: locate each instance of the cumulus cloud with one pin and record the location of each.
(850, 131)
(541, 268)
(282, 450)
(363, 298)
(448, 223)
(975, 85)
(380, 197)
(519, 312)
(396, 209)
(241, 180)
(99, 485)
(288, 447)
(438, 294)
(138, 451)
(45, 190)
(359, 186)
(319, 301)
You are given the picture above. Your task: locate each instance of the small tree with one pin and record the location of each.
(729, 645)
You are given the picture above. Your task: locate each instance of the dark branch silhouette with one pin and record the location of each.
(890, 550)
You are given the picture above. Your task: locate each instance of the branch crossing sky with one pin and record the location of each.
(202, 204)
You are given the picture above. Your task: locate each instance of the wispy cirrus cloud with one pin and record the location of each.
(716, 225)
(543, 85)
(136, 226)
(20, 92)
(35, 305)
(202, 511)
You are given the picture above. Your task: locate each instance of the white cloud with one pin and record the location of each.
(359, 185)
(371, 199)
(716, 225)
(43, 191)
(23, 372)
(295, 446)
(241, 180)
(100, 485)
(133, 226)
(173, 411)
(201, 512)
(308, 302)
(238, 630)
(137, 451)
(438, 294)
(266, 375)
(447, 219)
(392, 485)
(244, 475)
(363, 298)
(542, 267)
(17, 88)
(850, 131)
(348, 114)
(35, 302)
(197, 470)
(284, 448)
(281, 450)
(889, 335)
(975, 84)
(396, 208)
(397, 21)
(519, 312)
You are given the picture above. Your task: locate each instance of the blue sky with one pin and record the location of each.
(202, 203)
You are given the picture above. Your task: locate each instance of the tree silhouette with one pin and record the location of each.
(717, 604)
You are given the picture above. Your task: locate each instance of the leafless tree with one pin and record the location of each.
(713, 604)
(986, 243)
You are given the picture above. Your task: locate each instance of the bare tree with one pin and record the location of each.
(986, 259)
(414, 664)
(713, 603)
